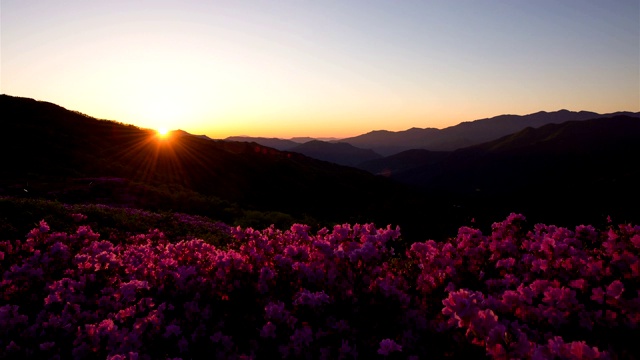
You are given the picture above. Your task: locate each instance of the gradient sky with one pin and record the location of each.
(320, 68)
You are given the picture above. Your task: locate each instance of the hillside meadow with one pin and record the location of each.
(93, 281)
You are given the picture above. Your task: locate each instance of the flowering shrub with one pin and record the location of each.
(341, 293)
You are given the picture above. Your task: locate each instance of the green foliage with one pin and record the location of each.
(260, 220)
(19, 215)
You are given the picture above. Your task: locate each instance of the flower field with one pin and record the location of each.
(521, 291)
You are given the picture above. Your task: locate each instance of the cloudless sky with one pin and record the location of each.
(320, 68)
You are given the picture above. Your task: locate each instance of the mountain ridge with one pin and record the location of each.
(467, 133)
(48, 149)
(558, 173)
(337, 152)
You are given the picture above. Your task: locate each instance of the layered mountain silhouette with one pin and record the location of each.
(582, 148)
(465, 134)
(386, 143)
(47, 149)
(339, 152)
(332, 151)
(279, 144)
(571, 168)
(304, 139)
(573, 171)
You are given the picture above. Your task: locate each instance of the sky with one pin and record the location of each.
(320, 68)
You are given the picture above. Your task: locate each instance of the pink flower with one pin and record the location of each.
(222, 339)
(462, 305)
(275, 311)
(615, 289)
(578, 283)
(172, 330)
(506, 263)
(43, 227)
(47, 345)
(597, 295)
(305, 297)
(302, 336)
(268, 330)
(345, 348)
(611, 316)
(127, 290)
(484, 323)
(183, 345)
(580, 350)
(388, 346)
(78, 217)
(106, 327)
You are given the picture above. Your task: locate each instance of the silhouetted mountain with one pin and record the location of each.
(563, 174)
(339, 153)
(305, 139)
(204, 137)
(389, 142)
(564, 170)
(466, 133)
(334, 151)
(48, 149)
(275, 143)
(403, 161)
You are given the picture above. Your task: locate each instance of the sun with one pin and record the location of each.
(163, 132)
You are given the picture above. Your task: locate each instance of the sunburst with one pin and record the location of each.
(163, 133)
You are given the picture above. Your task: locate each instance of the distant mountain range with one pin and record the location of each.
(335, 151)
(567, 169)
(339, 152)
(465, 134)
(570, 154)
(514, 161)
(279, 144)
(562, 172)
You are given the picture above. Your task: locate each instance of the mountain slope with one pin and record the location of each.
(47, 148)
(467, 133)
(403, 161)
(565, 169)
(279, 144)
(339, 152)
(386, 142)
(576, 171)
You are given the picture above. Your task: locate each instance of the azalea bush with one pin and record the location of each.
(533, 293)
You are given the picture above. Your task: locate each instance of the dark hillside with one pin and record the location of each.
(561, 171)
(403, 161)
(338, 152)
(49, 149)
